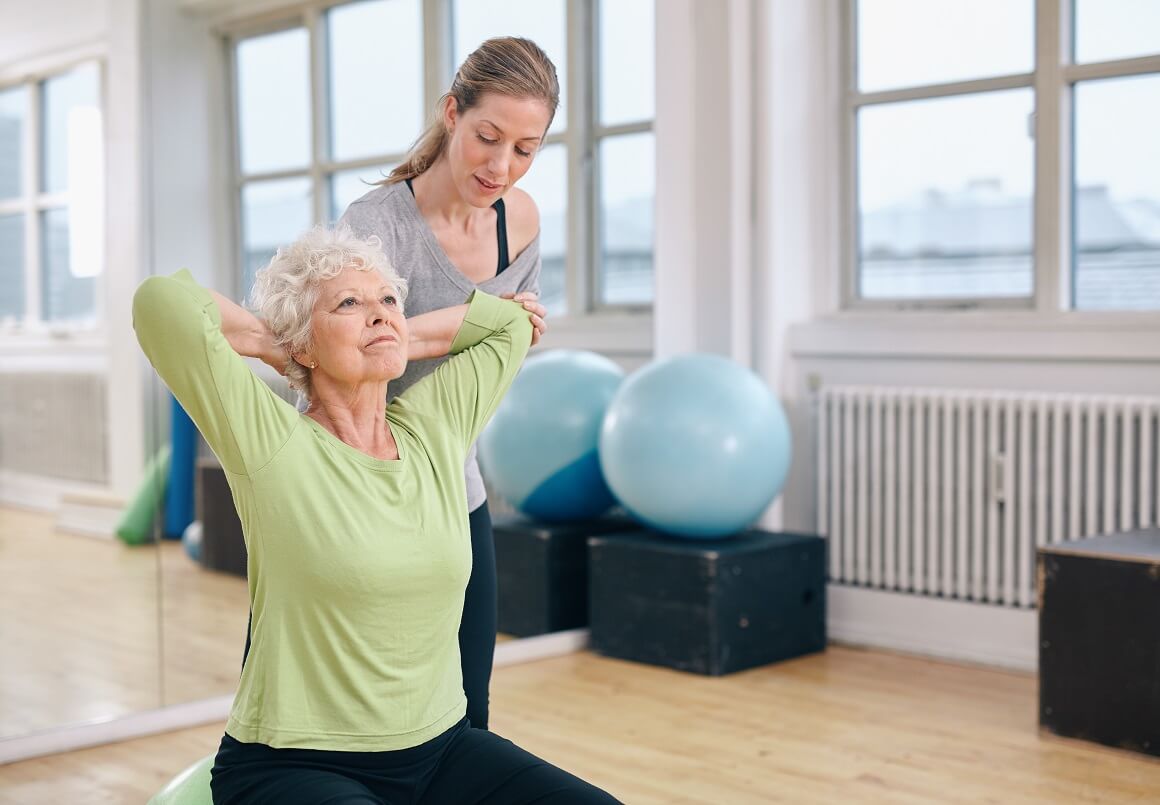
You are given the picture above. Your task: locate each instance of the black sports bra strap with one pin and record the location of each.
(501, 234)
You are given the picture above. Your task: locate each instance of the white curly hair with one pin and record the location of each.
(285, 290)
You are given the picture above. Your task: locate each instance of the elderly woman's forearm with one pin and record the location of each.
(433, 333)
(247, 334)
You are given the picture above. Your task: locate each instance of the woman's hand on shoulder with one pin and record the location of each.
(523, 220)
(536, 312)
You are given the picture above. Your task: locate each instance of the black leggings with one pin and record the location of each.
(477, 627)
(463, 765)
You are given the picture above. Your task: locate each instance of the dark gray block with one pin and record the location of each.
(707, 606)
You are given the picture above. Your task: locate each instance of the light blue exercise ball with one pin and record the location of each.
(695, 446)
(191, 540)
(191, 787)
(539, 451)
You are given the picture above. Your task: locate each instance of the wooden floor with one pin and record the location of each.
(87, 627)
(91, 628)
(845, 726)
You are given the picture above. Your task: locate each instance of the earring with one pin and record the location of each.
(313, 365)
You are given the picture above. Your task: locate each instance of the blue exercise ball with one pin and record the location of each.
(695, 446)
(191, 540)
(539, 451)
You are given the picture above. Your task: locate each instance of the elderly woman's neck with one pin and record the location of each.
(356, 417)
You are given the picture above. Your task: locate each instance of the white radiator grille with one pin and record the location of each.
(948, 493)
(54, 425)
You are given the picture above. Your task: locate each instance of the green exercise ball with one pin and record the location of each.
(191, 787)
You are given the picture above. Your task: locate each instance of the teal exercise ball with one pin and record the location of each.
(539, 453)
(191, 540)
(191, 787)
(695, 446)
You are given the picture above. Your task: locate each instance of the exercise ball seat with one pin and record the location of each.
(539, 453)
(191, 787)
(695, 446)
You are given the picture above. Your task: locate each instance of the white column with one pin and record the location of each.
(125, 243)
(798, 129)
(705, 180)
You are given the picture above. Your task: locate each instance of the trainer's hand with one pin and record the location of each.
(536, 312)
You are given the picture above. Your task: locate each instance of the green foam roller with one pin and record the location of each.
(191, 787)
(136, 524)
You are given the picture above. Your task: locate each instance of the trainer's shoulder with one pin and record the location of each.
(523, 219)
(378, 202)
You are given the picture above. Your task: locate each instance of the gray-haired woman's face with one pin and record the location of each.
(493, 144)
(358, 330)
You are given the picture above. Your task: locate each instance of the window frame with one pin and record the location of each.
(581, 138)
(33, 203)
(1052, 81)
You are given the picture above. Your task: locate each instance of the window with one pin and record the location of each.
(308, 144)
(51, 200)
(955, 104)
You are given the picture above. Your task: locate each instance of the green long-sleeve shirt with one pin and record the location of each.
(357, 566)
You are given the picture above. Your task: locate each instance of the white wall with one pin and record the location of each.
(33, 31)
(39, 38)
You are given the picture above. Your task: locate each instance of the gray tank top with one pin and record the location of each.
(390, 212)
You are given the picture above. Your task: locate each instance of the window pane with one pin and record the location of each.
(1116, 29)
(69, 99)
(547, 183)
(64, 295)
(627, 61)
(944, 197)
(542, 21)
(13, 106)
(11, 268)
(273, 97)
(273, 214)
(376, 77)
(913, 42)
(351, 185)
(627, 187)
(1117, 194)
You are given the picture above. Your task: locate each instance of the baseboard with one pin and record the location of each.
(90, 515)
(39, 493)
(137, 725)
(952, 630)
(541, 647)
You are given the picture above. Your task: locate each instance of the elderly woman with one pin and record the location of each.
(355, 520)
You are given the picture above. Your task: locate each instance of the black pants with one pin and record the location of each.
(463, 765)
(477, 627)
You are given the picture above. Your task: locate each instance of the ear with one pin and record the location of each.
(305, 359)
(450, 114)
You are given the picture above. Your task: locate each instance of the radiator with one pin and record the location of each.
(946, 493)
(54, 425)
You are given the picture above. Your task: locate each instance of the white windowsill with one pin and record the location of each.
(619, 333)
(989, 335)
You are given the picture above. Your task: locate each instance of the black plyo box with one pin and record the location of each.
(222, 545)
(707, 606)
(542, 572)
(1099, 640)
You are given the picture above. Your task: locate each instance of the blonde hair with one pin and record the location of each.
(509, 66)
(286, 290)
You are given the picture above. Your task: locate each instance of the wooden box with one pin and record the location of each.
(707, 606)
(1099, 640)
(222, 545)
(542, 572)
